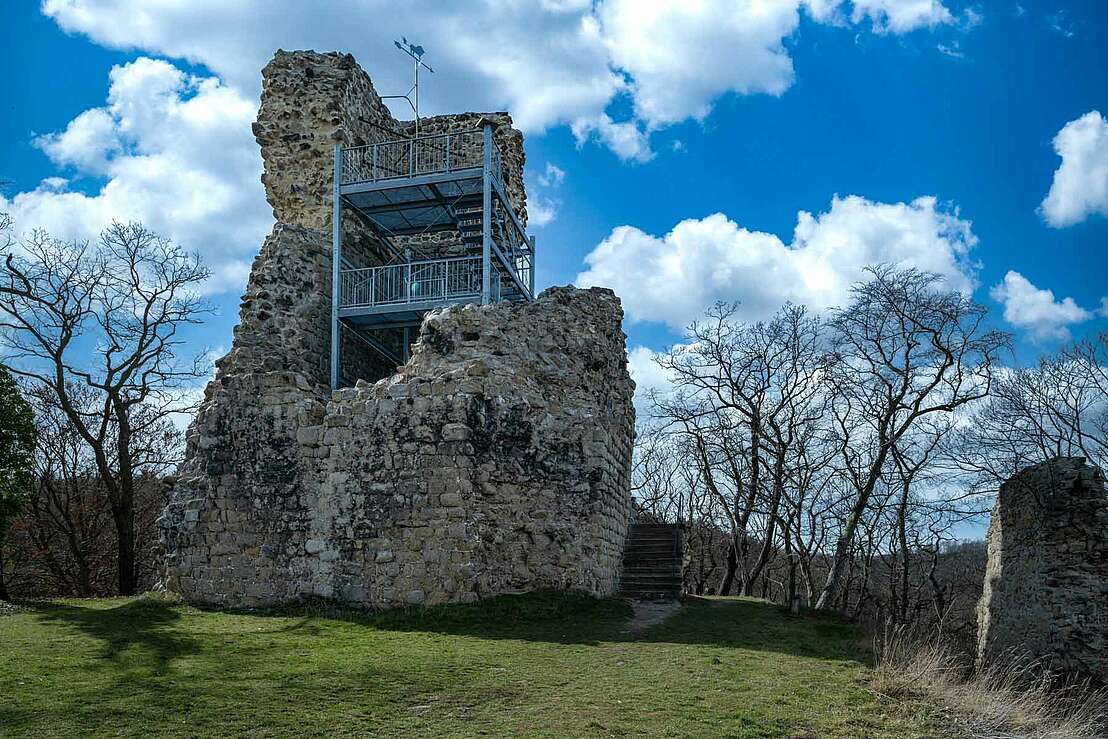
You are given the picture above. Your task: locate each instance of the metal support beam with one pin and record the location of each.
(406, 349)
(336, 266)
(375, 345)
(531, 277)
(496, 252)
(502, 196)
(507, 203)
(486, 218)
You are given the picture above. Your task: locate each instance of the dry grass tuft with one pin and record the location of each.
(1017, 700)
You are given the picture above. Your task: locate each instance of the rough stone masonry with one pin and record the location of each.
(496, 460)
(1046, 583)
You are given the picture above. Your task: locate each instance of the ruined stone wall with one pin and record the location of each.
(312, 101)
(496, 460)
(285, 314)
(1046, 584)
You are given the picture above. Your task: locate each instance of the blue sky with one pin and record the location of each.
(794, 141)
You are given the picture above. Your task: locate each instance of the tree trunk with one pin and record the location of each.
(771, 525)
(846, 539)
(755, 483)
(902, 516)
(835, 574)
(732, 566)
(3, 582)
(791, 598)
(124, 516)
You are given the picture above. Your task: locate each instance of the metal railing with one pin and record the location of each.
(441, 280)
(406, 158)
(438, 280)
(513, 242)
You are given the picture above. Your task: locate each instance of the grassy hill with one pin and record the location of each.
(532, 665)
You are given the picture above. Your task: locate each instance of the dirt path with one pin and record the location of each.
(649, 613)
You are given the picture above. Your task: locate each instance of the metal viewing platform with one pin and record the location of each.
(440, 206)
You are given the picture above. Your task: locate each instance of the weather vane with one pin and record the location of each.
(416, 53)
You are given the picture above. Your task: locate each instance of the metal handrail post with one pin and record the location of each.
(448, 169)
(411, 158)
(486, 215)
(336, 262)
(375, 147)
(531, 279)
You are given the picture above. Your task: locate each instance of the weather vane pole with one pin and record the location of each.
(416, 53)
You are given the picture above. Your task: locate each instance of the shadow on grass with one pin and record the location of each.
(142, 629)
(564, 618)
(553, 617)
(574, 618)
(761, 626)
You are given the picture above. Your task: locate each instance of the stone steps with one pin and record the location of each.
(652, 561)
(665, 569)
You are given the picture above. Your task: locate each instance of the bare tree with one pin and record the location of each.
(64, 540)
(1058, 407)
(803, 450)
(907, 349)
(108, 318)
(912, 456)
(1091, 356)
(68, 514)
(748, 398)
(656, 482)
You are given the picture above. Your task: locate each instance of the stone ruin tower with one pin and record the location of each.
(400, 420)
(1046, 583)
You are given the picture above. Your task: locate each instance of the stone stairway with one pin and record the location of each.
(652, 561)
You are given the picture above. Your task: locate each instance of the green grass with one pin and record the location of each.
(534, 665)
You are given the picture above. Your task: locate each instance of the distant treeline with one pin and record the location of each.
(838, 461)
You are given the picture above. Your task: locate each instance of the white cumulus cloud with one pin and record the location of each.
(901, 16)
(552, 176)
(176, 153)
(648, 377)
(175, 150)
(627, 139)
(541, 210)
(1036, 309)
(542, 201)
(546, 63)
(1080, 186)
(681, 56)
(672, 278)
(555, 62)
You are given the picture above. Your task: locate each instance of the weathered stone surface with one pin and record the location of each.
(496, 460)
(1046, 584)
